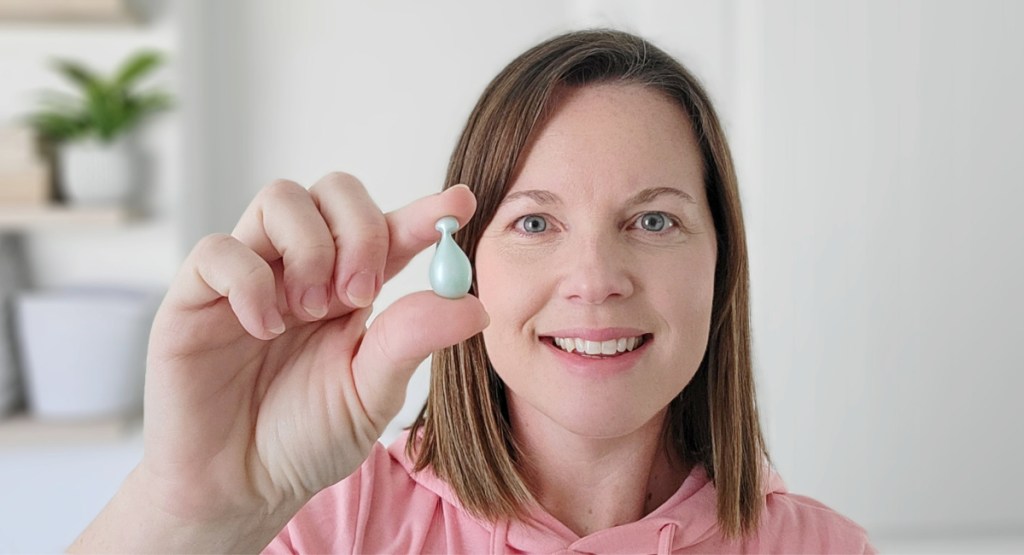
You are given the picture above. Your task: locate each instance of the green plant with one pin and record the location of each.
(105, 107)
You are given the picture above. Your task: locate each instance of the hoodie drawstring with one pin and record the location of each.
(499, 537)
(665, 537)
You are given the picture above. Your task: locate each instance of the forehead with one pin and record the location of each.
(612, 136)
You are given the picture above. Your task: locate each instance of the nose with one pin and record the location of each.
(595, 270)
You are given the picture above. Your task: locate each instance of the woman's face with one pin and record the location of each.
(604, 242)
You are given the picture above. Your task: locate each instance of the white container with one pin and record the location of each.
(84, 351)
(97, 173)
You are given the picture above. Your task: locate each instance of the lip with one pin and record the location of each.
(597, 367)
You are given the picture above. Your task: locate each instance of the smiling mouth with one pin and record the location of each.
(598, 349)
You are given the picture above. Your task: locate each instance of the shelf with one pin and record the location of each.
(66, 11)
(22, 430)
(21, 218)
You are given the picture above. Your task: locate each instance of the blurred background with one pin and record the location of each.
(876, 141)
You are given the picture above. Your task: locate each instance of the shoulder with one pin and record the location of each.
(800, 524)
(381, 507)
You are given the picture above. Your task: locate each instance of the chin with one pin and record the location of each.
(602, 420)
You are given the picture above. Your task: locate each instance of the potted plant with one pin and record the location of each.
(97, 156)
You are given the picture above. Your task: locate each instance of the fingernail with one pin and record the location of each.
(273, 323)
(314, 301)
(463, 185)
(361, 288)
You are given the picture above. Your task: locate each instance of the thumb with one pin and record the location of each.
(400, 338)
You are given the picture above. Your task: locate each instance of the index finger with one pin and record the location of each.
(411, 228)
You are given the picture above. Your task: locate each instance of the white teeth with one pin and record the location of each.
(610, 347)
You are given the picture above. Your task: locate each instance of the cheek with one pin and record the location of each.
(509, 279)
(500, 286)
(499, 280)
(685, 278)
(684, 292)
(514, 285)
(492, 283)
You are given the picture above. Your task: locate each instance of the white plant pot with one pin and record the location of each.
(84, 351)
(93, 172)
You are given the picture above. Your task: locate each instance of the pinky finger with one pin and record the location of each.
(220, 267)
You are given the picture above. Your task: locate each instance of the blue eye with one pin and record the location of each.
(654, 221)
(533, 224)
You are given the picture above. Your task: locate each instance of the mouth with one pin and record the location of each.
(610, 348)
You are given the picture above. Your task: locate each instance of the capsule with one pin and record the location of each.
(450, 272)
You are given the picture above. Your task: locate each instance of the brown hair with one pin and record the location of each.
(463, 432)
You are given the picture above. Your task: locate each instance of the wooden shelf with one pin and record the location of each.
(67, 11)
(22, 430)
(21, 218)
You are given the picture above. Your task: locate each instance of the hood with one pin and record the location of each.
(685, 519)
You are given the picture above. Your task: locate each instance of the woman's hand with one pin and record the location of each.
(263, 383)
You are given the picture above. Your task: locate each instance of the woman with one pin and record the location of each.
(607, 406)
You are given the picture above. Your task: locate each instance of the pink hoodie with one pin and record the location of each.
(384, 507)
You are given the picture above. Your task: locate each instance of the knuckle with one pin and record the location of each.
(374, 236)
(376, 248)
(282, 188)
(342, 179)
(251, 278)
(319, 250)
(256, 275)
(338, 181)
(213, 244)
(318, 255)
(379, 230)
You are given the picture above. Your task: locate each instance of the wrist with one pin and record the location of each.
(146, 516)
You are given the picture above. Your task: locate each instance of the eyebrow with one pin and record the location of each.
(647, 195)
(644, 196)
(540, 197)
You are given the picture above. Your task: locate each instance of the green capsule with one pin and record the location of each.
(450, 271)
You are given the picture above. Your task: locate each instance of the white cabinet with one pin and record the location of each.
(55, 478)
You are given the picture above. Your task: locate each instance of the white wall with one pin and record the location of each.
(885, 241)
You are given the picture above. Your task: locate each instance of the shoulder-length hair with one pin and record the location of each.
(463, 432)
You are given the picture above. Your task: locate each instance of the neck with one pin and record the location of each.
(591, 484)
